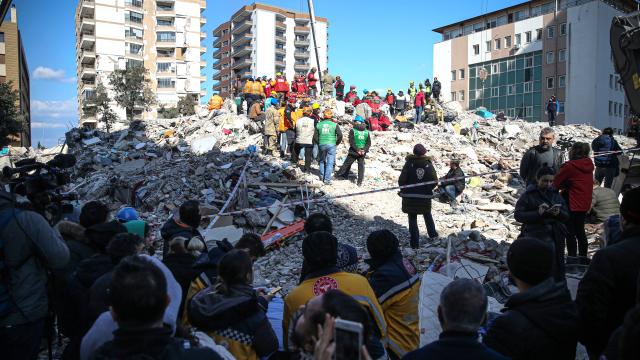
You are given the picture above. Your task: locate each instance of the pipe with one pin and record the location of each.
(315, 44)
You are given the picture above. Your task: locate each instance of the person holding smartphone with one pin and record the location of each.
(542, 212)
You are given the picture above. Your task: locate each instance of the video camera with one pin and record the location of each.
(41, 183)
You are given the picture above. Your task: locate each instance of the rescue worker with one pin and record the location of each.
(248, 97)
(359, 143)
(418, 168)
(401, 103)
(315, 113)
(427, 89)
(272, 121)
(390, 100)
(339, 85)
(288, 117)
(419, 103)
(281, 86)
(312, 80)
(327, 135)
(352, 95)
(396, 283)
(327, 83)
(320, 252)
(412, 91)
(215, 103)
(305, 128)
(257, 91)
(267, 88)
(301, 87)
(435, 89)
(255, 112)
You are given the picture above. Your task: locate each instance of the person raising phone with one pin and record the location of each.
(542, 212)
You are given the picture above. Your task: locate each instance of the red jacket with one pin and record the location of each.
(281, 84)
(390, 98)
(311, 78)
(267, 90)
(419, 99)
(351, 96)
(301, 86)
(575, 177)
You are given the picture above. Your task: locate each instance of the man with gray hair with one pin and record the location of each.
(462, 310)
(541, 155)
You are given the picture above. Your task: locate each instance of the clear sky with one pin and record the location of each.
(373, 44)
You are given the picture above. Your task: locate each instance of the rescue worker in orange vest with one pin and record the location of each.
(281, 86)
(215, 103)
(301, 85)
(248, 97)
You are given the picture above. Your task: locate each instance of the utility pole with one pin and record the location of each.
(315, 45)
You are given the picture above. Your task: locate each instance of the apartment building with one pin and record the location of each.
(162, 35)
(13, 67)
(262, 40)
(514, 59)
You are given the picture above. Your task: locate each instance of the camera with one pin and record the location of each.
(41, 183)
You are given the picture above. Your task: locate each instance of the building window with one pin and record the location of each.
(620, 109)
(550, 83)
(511, 64)
(610, 108)
(562, 81)
(538, 34)
(132, 63)
(616, 84)
(461, 95)
(279, 57)
(164, 6)
(495, 91)
(133, 17)
(528, 87)
(507, 42)
(498, 44)
(610, 81)
(527, 37)
(488, 46)
(562, 55)
(134, 49)
(1, 37)
(551, 32)
(133, 33)
(453, 96)
(225, 43)
(166, 83)
(528, 62)
(511, 89)
(453, 75)
(495, 68)
(225, 32)
(461, 71)
(476, 49)
(563, 29)
(560, 107)
(165, 36)
(518, 39)
(136, 3)
(550, 57)
(502, 20)
(521, 15)
(164, 67)
(165, 22)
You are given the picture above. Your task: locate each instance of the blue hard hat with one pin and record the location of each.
(127, 214)
(365, 91)
(274, 101)
(358, 119)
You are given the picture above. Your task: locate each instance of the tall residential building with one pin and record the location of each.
(13, 67)
(513, 60)
(262, 40)
(162, 35)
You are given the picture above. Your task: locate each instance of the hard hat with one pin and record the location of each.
(389, 90)
(264, 77)
(358, 119)
(279, 74)
(315, 106)
(365, 91)
(411, 82)
(306, 110)
(274, 101)
(327, 114)
(127, 214)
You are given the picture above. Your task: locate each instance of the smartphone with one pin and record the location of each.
(348, 339)
(275, 291)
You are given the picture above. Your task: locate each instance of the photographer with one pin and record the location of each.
(29, 246)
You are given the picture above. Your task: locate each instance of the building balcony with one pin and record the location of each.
(166, 44)
(87, 24)
(131, 55)
(241, 51)
(281, 25)
(87, 40)
(134, 39)
(244, 74)
(203, 63)
(281, 39)
(87, 56)
(203, 49)
(217, 43)
(88, 8)
(217, 75)
(203, 4)
(301, 30)
(203, 20)
(165, 11)
(301, 54)
(217, 86)
(242, 26)
(203, 35)
(241, 40)
(281, 51)
(88, 72)
(301, 42)
(132, 22)
(280, 63)
(241, 64)
(301, 67)
(133, 6)
(216, 54)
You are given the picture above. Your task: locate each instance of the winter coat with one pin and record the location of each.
(390, 99)
(420, 99)
(536, 158)
(351, 96)
(540, 323)
(255, 111)
(534, 224)
(436, 86)
(237, 319)
(281, 84)
(339, 85)
(154, 343)
(396, 284)
(454, 345)
(417, 169)
(576, 179)
(604, 204)
(459, 183)
(312, 79)
(327, 83)
(552, 107)
(353, 149)
(182, 268)
(173, 228)
(98, 301)
(304, 131)
(23, 234)
(401, 102)
(272, 121)
(608, 290)
(605, 143)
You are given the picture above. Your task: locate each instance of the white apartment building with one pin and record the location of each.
(262, 40)
(162, 35)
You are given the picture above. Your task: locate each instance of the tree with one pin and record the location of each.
(10, 119)
(132, 89)
(187, 105)
(102, 102)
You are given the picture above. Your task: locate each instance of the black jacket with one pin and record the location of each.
(156, 344)
(604, 143)
(353, 150)
(171, 229)
(608, 290)
(455, 346)
(182, 268)
(459, 183)
(534, 224)
(417, 169)
(540, 323)
(436, 86)
(535, 158)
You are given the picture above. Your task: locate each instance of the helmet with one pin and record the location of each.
(127, 214)
(306, 110)
(264, 77)
(411, 82)
(358, 119)
(274, 101)
(389, 90)
(352, 87)
(327, 114)
(279, 74)
(365, 91)
(315, 106)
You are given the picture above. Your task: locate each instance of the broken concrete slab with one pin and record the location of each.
(231, 233)
(203, 145)
(131, 167)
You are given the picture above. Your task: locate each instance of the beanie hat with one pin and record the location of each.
(419, 150)
(320, 249)
(100, 234)
(274, 101)
(530, 260)
(347, 260)
(381, 245)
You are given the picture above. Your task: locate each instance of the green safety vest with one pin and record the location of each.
(412, 91)
(360, 138)
(428, 89)
(327, 132)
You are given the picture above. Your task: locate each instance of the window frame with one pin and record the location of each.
(507, 41)
(562, 83)
(453, 75)
(563, 29)
(553, 57)
(551, 31)
(553, 82)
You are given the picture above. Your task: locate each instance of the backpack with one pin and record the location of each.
(5, 277)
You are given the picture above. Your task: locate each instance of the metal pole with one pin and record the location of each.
(315, 44)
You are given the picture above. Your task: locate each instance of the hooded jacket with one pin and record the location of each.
(605, 143)
(458, 183)
(417, 169)
(526, 212)
(30, 247)
(576, 179)
(237, 319)
(540, 323)
(172, 228)
(608, 290)
(182, 267)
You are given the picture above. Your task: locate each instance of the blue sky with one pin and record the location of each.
(373, 44)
